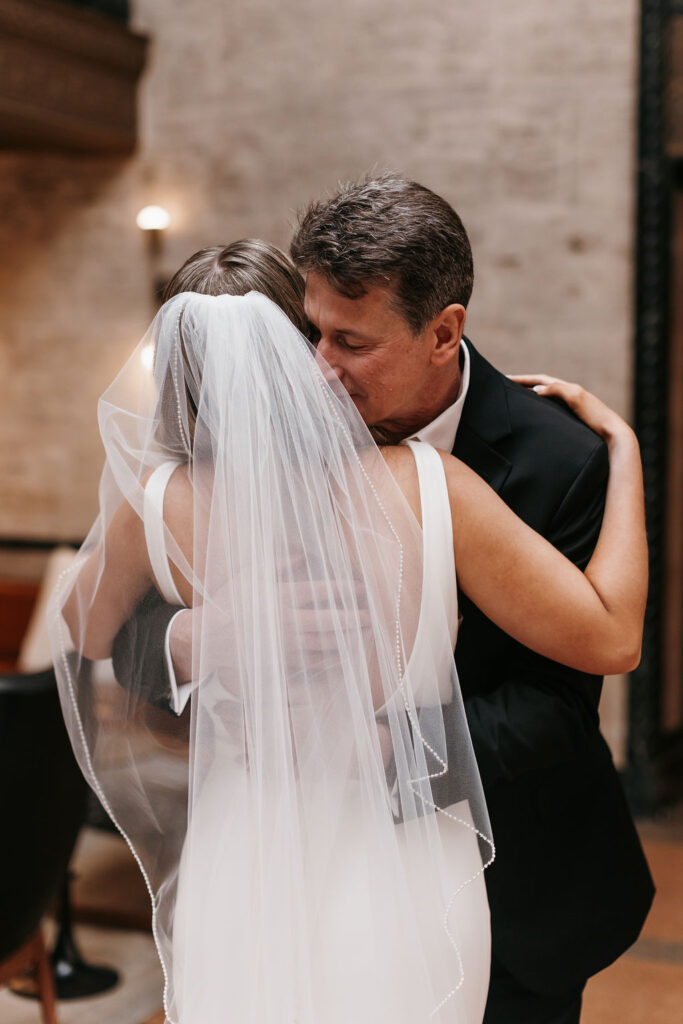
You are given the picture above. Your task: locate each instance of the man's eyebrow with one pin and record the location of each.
(342, 330)
(354, 334)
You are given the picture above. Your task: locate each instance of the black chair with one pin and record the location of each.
(43, 799)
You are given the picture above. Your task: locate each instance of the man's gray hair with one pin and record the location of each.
(392, 232)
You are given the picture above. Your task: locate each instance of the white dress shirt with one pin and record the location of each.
(440, 433)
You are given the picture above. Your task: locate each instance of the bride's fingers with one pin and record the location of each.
(543, 384)
(588, 407)
(530, 380)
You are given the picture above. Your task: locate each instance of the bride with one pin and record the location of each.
(298, 866)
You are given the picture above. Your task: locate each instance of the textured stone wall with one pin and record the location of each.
(520, 112)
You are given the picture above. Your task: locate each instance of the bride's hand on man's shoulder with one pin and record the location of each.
(594, 413)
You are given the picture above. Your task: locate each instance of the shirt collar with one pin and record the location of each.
(440, 433)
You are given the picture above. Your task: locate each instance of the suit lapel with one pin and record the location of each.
(485, 421)
(486, 462)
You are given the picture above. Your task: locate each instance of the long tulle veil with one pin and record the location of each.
(298, 867)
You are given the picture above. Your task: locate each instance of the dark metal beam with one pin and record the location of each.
(650, 751)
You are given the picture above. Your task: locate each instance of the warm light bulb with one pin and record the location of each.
(153, 218)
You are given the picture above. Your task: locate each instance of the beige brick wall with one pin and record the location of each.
(520, 112)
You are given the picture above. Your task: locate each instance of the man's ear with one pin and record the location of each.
(447, 330)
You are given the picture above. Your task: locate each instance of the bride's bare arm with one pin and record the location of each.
(115, 576)
(117, 573)
(590, 620)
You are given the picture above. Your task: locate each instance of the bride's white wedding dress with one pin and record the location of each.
(284, 823)
(360, 956)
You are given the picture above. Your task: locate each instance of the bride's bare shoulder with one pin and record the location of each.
(456, 470)
(399, 459)
(401, 463)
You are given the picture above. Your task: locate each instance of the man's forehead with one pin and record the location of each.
(322, 300)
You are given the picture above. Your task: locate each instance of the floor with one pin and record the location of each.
(136, 998)
(644, 987)
(107, 887)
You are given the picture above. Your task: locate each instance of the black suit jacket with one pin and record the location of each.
(570, 887)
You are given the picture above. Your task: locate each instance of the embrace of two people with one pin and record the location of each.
(323, 487)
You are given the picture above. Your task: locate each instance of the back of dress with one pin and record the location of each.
(439, 586)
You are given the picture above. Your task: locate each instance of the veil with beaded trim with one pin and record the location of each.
(298, 867)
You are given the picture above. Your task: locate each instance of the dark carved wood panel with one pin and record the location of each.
(68, 78)
(112, 8)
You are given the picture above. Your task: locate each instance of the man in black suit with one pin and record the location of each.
(570, 887)
(389, 274)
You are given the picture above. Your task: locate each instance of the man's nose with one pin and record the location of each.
(328, 358)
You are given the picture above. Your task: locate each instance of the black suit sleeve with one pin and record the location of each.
(541, 713)
(138, 651)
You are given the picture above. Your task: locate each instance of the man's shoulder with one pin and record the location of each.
(532, 449)
(548, 416)
(543, 427)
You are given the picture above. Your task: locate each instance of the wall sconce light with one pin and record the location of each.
(153, 221)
